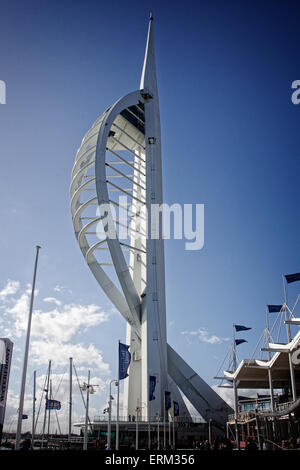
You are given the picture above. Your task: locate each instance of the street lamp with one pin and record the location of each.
(89, 388)
(109, 413)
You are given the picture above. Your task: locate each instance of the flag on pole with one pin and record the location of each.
(152, 385)
(175, 408)
(53, 405)
(292, 277)
(241, 328)
(240, 341)
(274, 308)
(167, 400)
(124, 360)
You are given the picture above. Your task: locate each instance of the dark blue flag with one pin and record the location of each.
(274, 308)
(24, 416)
(175, 408)
(241, 328)
(152, 385)
(53, 405)
(124, 360)
(240, 341)
(292, 277)
(167, 400)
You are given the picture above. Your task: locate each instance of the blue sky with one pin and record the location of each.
(230, 140)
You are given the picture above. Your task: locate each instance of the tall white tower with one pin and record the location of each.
(116, 178)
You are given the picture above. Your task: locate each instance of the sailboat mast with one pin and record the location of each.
(33, 408)
(70, 402)
(23, 383)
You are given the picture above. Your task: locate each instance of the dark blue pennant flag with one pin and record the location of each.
(274, 308)
(175, 408)
(167, 400)
(53, 405)
(152, 385)
(241, 328)
(240, 341)
(292, 277)
(124, 360)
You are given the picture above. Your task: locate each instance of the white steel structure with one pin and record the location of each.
(121, 156)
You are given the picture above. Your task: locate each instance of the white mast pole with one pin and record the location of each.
(23, 384)
(86, 414)
(46, 398)
(149, 424)
(33, 408)
(70, 402)
(289, 337)
(137, 427)
(165, 435)
(118, 401)
(269, 368)
(49, 411)
(235, 392)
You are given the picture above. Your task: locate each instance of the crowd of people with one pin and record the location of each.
(222, 444)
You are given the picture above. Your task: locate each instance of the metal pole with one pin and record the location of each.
(46, 400)
(149, 421)
(269, 369)
(49, 410)
(137, 429)
(23, 383)
(289, 337)
(118, 401)
(33, 408)
(158, 418)
(170, 438)
(109, 420)
(235, 392)
(165, 435)
(209, 431)
(174, 444)
(70, 402)
(86, 414)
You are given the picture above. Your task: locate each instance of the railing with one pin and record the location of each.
(250, 414)
(104, 419)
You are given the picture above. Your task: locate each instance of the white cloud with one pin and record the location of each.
(53, 331)
(205, 337)
(52, 300)
(59, 324)
(11, 288)
(42, 351)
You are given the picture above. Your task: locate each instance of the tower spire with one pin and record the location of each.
(148, 78)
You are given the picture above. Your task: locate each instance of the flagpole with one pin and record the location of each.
(269, 368)
(118, 401)
(70, 402)
(149, 419)
(23, 383)
(165, 436)
(173, 419)
(33, 409)
(85, 442)
(235, 393)
(289, 337)
(49, 411)
(158, 419)
(45, 413)
(169, 422)
(137, 427)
